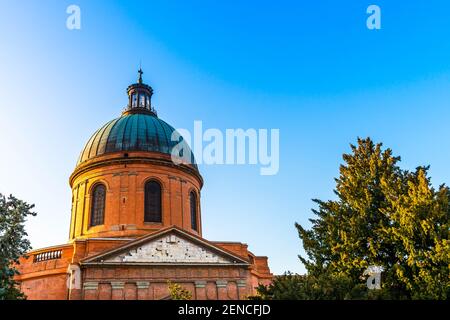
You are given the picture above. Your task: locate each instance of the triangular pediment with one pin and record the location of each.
(171, 246)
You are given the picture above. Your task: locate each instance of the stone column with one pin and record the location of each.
(142, 290)
(90, 290)
(117, 290)
(222, 289)
(200, 290)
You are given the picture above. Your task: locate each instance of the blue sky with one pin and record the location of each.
(309, 68)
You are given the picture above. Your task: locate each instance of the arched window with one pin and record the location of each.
(152, 202)
(98, 205)
(142, 100)
(193, 202)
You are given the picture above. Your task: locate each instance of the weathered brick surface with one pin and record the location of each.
(211, 290)
(130, 291)
(105, 291)
(232, 291)
(50, 287)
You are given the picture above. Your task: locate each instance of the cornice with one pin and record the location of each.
(83, 168)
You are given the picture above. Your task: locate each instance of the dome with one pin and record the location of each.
(138, 129)
(132, 132)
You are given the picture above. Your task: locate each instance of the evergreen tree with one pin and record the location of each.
(419, 231)
(309, 287)
(383, 216)
(13, 243)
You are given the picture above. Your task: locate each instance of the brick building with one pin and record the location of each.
(136, 222)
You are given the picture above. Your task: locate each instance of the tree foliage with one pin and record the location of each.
(383, 216)
(314, 287)
(177, 292)
(13, 243)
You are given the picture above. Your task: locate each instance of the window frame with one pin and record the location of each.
(94, 220)
(148, 216)
(193, 210)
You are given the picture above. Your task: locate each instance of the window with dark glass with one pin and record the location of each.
(142, 100)
(193, 200)
(152, 202)
(98, 205)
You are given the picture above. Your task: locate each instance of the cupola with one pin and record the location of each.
(140, 97)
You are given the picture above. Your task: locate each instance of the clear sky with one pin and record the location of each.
(309, 68)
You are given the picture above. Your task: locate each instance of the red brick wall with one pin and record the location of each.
(50, 287)
(151, 283)
(124, 206)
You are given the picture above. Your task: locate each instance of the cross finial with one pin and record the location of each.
(140, 75)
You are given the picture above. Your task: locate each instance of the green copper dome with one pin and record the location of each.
(131, 132)
(138, 129)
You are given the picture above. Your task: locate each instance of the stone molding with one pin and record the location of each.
(117, 285)
(241, 283)
(90, 285)
(200, 284)
(142, 284)
(221, 283)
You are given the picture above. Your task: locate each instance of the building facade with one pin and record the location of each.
(136, 222)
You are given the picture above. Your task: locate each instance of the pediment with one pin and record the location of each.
(169, 248)
(172, 246)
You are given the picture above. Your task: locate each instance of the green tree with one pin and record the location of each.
(13, 243)
(382, 216)
(419, 230)
(310, 287)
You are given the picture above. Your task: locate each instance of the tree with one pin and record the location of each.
(309, 287)
(13, 243)
(383, 216)
(420, 230)
(177, 292)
